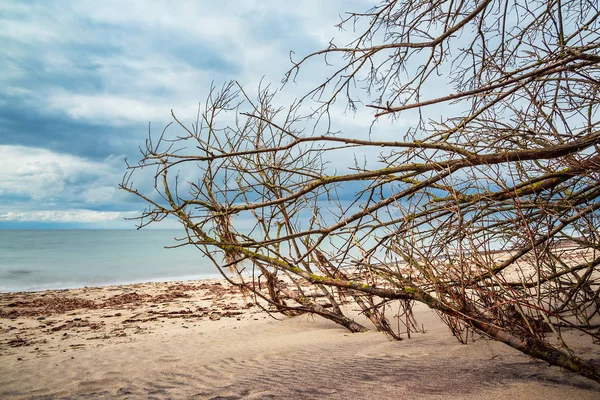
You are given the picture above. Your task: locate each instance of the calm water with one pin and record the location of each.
(61, 259)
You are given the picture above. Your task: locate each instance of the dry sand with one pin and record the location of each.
(202, 339)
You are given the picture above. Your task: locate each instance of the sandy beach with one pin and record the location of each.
(205, 340)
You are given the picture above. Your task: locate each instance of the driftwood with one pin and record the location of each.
(482, 202)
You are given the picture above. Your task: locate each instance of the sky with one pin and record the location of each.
(81, 80)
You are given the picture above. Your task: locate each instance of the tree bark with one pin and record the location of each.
(540, 350)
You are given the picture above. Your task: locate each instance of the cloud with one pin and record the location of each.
(43, 175)
(140, 59)
(66, 216)
(81, 81)
(108, 110)
(49, 188)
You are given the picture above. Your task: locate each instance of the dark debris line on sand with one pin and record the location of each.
(45, 303)
(45, 308)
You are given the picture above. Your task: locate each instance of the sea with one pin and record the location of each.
(33, 260)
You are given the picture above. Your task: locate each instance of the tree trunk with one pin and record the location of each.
(540, 350)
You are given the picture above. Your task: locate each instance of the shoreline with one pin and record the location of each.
(203, 338)
(81, 285)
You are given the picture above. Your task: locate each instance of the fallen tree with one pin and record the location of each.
(478, 197)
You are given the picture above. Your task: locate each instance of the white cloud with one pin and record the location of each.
(110, 110)
(43, 175)
(99, 194)
(48, 187)
(66, 216)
